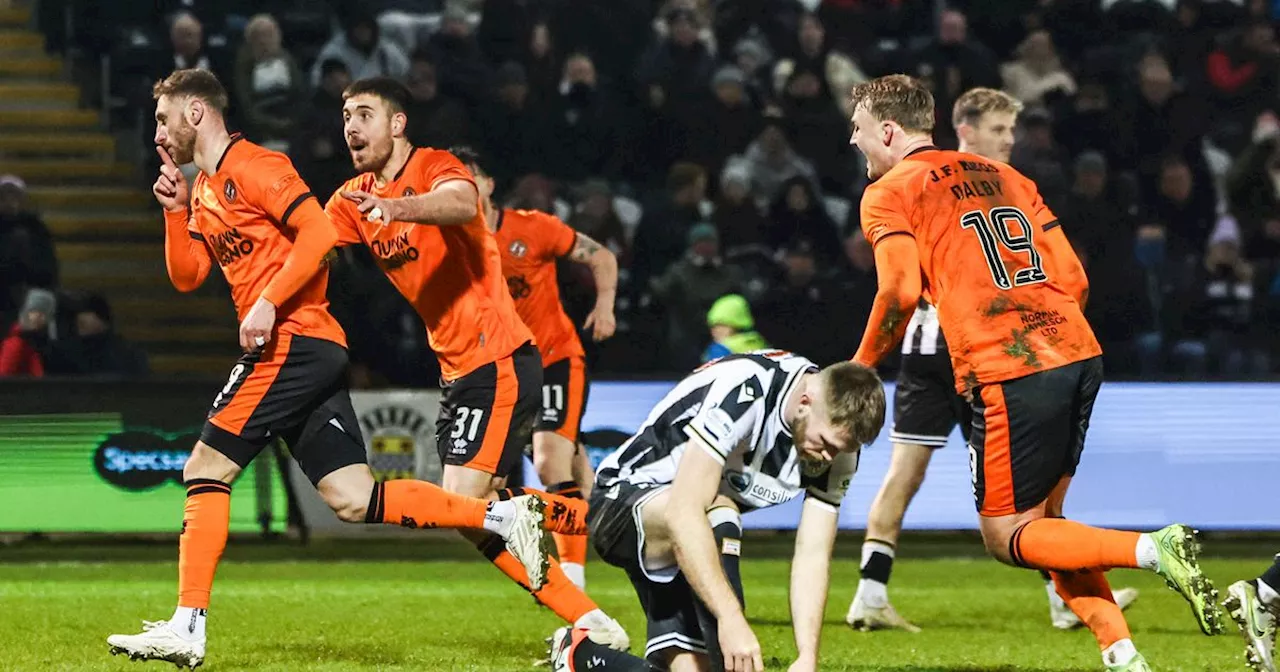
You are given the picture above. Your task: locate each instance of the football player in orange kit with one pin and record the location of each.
(531, 242)
(1008, 289)
(926, 406)
(250, 213)
(418, 211)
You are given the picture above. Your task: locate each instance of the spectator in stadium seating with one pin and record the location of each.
(837, 73)
(585, 118)
(855, 280)
(1243, 77)
(1038, 156)
(27, 256)
(1090, 216)
(1217, 308)
(516, 132)
(771, 160)
(814, 120)
(676, 69)
(360, 47)
(768, 21)
(506, 30)
(464, 74)
(320, 150)
(1160, 120)
(791, 313)
(736, 215)
(543, 62)
(1253, 192)
(96, 349)
(614, 33)
(798, 213)
(435, 120)
(594, 215)
(729, 122)
(733, 329)
(1087, 121)
(753, 58)
(190, 50)
(22, 351)
(688, 289)
(661, 238)
(950, 64)
(1188, 41)
(1036, 71)
(268, 85)
(1188, 211)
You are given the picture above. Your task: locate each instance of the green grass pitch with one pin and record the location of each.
(377, 606)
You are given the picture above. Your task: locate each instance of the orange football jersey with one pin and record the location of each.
(530, 242)
(452, 275)
(975, 222)
(241, 213)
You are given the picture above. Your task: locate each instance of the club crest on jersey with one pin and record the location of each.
(409, 191)
(230, 191)
(518, 249)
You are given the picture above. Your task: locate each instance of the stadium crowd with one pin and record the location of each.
(706, 143)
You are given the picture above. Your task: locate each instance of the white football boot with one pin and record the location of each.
(158, 642)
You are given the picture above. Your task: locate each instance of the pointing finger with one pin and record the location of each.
(165, 158)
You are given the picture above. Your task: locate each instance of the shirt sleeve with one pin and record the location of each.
(1042, 218)
(830, 485)
(883, 214)
(345, 218)
(276, 187)
(560, 237)
(728, 414)
(439, 167)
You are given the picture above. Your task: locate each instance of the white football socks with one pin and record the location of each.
(1119, 653)
(575, 573)
(188, 623)
(1268, 595)
(871, 592)
(499, 517)
(1147, 554)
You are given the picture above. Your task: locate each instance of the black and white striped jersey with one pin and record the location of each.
(733, 407)
(924, 334)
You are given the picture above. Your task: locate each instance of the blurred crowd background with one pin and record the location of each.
(705, 142)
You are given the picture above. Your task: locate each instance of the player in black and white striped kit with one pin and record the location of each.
(743, 432)
(926, 406)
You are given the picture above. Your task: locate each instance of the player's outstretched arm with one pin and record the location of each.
(693, 491)
(810, 568)
(898, 276)
(604, 269)
(453, 202)
(1064, 265)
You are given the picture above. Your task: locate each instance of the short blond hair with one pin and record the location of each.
(898, 98)
(855, 399)
(973, 104)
